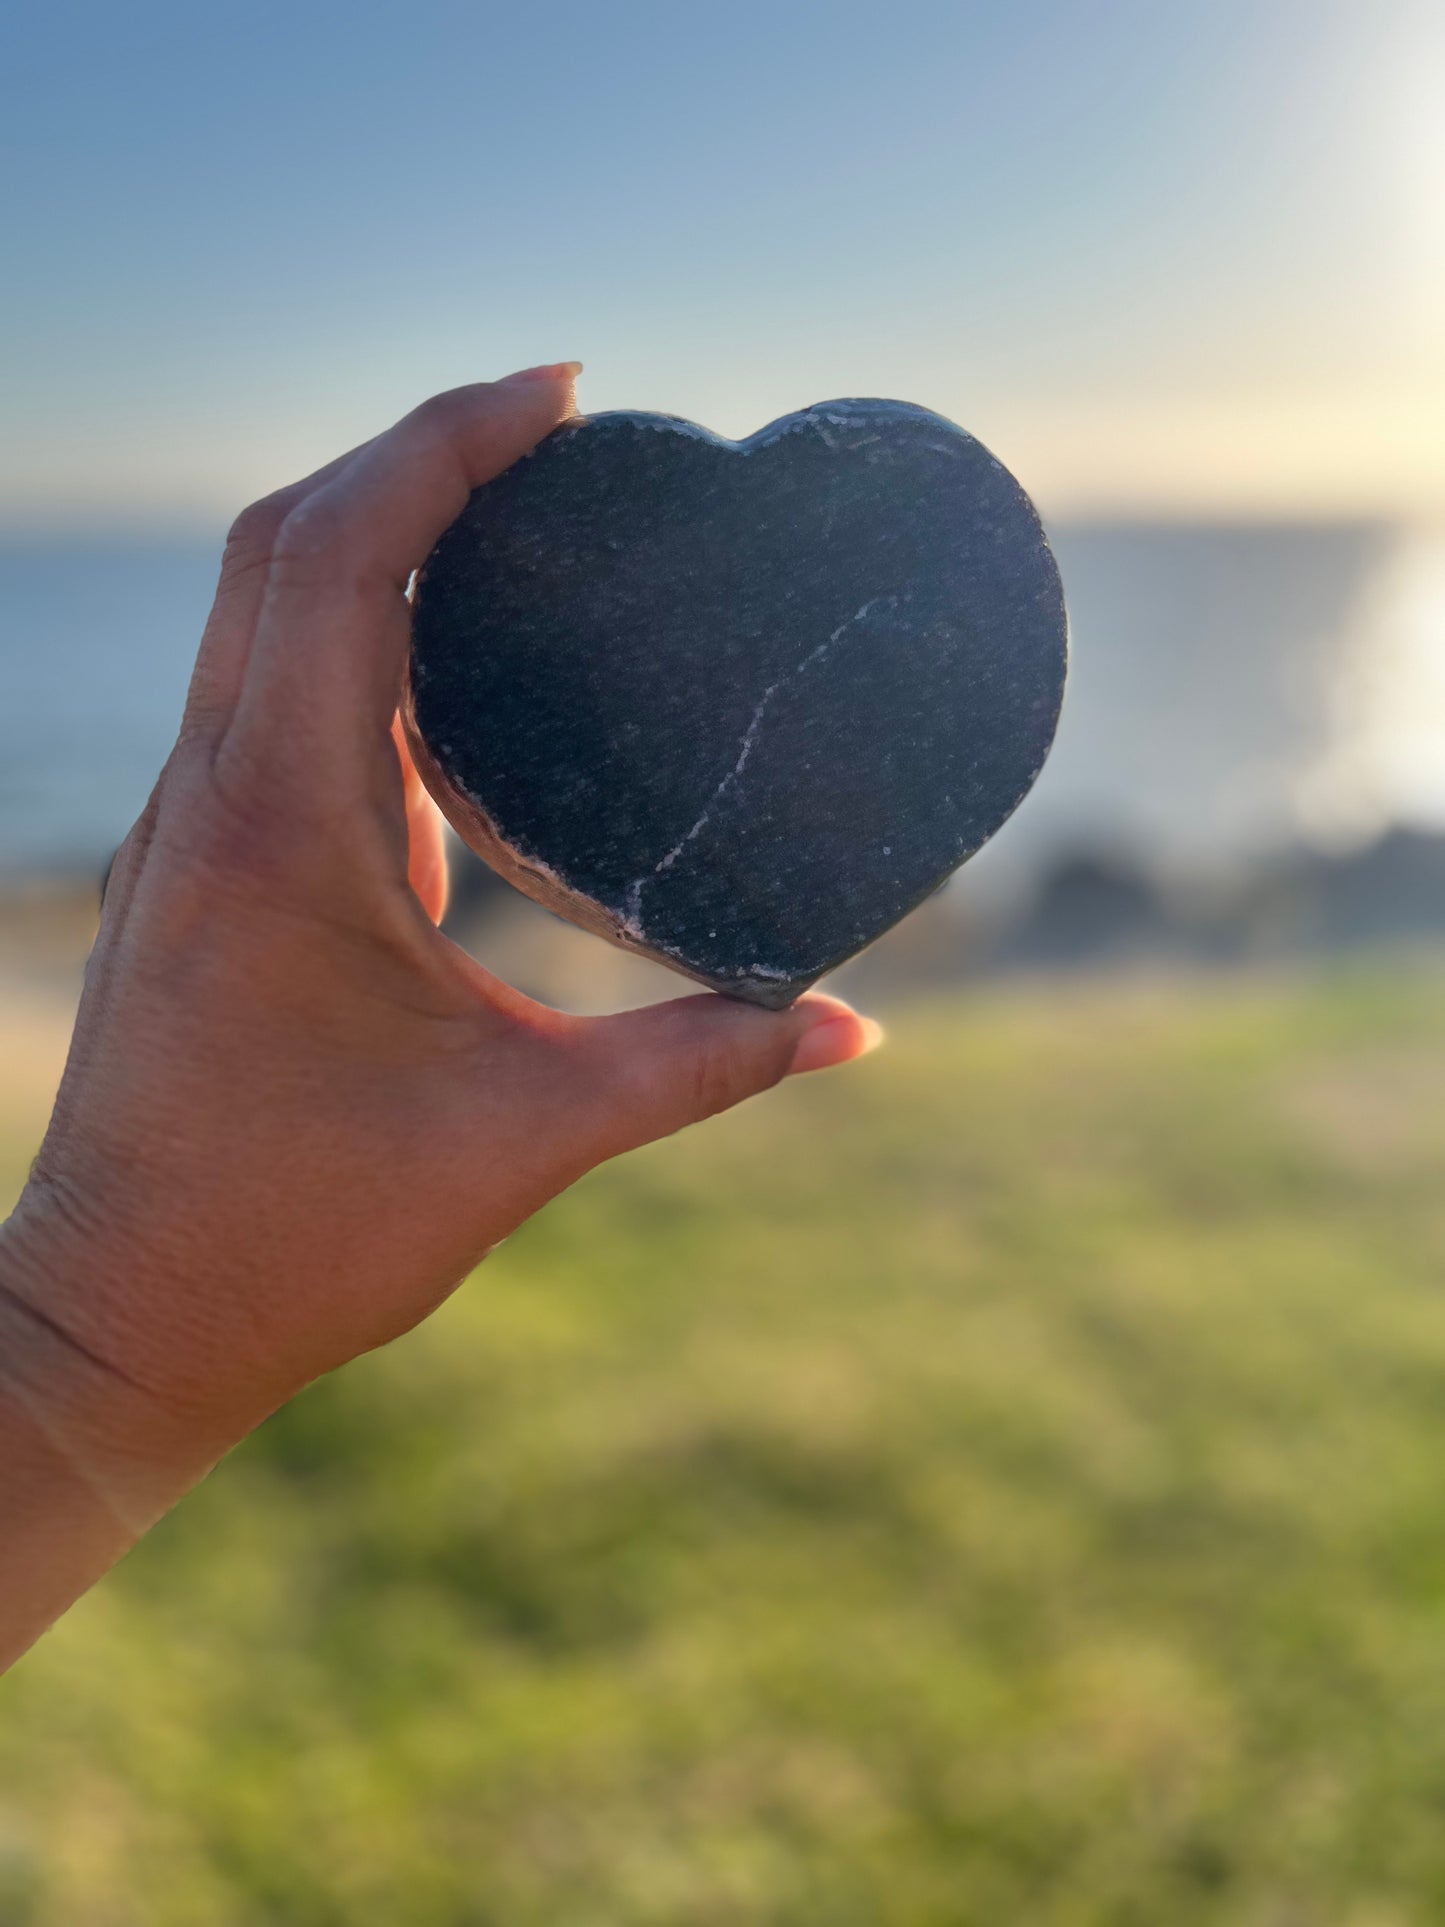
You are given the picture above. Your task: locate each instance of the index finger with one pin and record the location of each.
(324, 671)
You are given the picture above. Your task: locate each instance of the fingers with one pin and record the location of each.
(425, 835)
(672, 1064)
(231, 626)
(324, 671)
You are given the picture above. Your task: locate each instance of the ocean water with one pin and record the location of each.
(1232, 690)
(96, 643)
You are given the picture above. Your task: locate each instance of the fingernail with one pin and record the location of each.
(835, 1042)
(553, 371)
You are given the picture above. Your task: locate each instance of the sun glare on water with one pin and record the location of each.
(1387, 760)
(1405, 683)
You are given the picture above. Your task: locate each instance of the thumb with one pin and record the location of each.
(674, 1064)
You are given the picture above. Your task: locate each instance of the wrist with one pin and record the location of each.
(92, 1416)
(58, 1534)
(63, 1519)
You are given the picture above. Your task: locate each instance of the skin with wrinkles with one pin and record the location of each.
(294, 1115)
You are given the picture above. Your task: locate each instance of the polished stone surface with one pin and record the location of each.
(739, 706)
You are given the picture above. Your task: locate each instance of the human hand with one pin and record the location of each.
(295, 1114)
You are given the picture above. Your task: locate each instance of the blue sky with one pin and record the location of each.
(1174, 258)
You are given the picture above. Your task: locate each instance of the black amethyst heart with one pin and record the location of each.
(739, 706)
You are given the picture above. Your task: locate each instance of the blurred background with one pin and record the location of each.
(1005, 1482)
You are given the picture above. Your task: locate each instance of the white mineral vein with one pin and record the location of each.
(745, 750)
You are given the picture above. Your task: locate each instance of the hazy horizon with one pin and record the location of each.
(121, 531)
(1232, 687)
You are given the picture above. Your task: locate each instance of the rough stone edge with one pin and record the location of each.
(543, 885)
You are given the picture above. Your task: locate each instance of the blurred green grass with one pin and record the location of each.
(1001, 1483)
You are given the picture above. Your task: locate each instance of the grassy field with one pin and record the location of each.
(1002, 1484)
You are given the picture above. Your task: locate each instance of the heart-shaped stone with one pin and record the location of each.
(738, 706)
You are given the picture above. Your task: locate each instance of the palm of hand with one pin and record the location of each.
(295, 1114)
